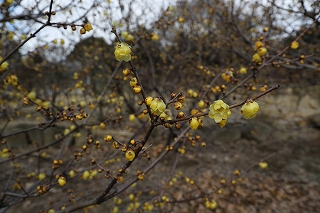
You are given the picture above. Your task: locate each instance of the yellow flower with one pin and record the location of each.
(258, 44)
(32, 95)
(219, 111)
(137, 89)
(250, 109)
(194, 123)
(93, 173)
(5, 153)
(256, 58)
(62, 181)
(140, 176)
(46, 104)
(102, 125)
(133, 82)
(130, 155)
(177, 105)
(243, 70)
(14, 80)
(108, 138)
(155, 37)
(23, 37)
(294, 45)
(132, 117)
(126, 71)
(7, 80)
(211, 204)
(262, 51)
(122, 52)
(82, 31)
(148, 100)
(157, 106)
(4, 66)
(227, 76)
(222, 123)
(148, 206)
(201, 104)
(124, 34)
(85, 175)
(83, 103)
(72, 173)
(88, 27)
(263, 165)
(166, 115)
(129, 37)
(41, 176)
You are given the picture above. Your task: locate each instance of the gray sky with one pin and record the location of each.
(101, 17)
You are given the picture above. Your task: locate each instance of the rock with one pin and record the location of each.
(315, 120)
(256, 130)
(308, 106)
(225, 135)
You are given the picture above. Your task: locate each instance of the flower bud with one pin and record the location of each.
(130, 155)
(62, 181)
(250, 109)
(194, 123)
(122, 52)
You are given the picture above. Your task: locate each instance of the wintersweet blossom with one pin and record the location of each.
(123, 52)
(250, 109)
(219, 112)
(157, 106)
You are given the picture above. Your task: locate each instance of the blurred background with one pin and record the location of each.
(203, 49)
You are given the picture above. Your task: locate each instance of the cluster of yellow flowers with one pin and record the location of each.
(148, 206)
(89, 174)
(127, 36)
(11, 79)
(32, 95)
(135, 85)
(227, 76)
(55, 41)
(211, 204)
(166, 115)
(123, 52)
(261, 51)
(219, 112)
(86, 28)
